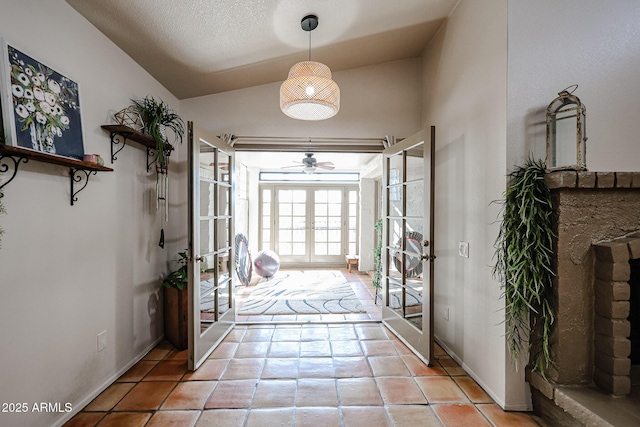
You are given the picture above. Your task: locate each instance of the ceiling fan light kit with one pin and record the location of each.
(311, 164)
(309, 93)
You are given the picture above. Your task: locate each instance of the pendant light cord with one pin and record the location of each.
(309, 45)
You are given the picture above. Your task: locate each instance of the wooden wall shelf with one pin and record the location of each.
(120, 134)
(22, 155)
(131, 134)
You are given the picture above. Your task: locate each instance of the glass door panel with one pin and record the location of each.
(312, 224)
(210, 291)
(265, 210)
(352, 236)
(292, 230)
(327, 225)
(408, 234)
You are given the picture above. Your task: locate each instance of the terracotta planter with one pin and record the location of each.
(176, 305)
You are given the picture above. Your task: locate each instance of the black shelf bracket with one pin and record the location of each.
(152, 157)
(117, 138)
(76, 177)
(4, 166)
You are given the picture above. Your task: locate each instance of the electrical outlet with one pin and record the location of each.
(446, 313)
(102, 340)
(463, 249)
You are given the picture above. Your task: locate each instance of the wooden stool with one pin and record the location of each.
(352, 261)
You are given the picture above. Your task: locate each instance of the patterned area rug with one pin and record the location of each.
(302, 292)
(413, 296)
(207, 295)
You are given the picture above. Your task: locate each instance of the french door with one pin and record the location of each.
(210, 248)
(311, 224)
(408, 231)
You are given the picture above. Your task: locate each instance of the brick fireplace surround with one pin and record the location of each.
(598, 232)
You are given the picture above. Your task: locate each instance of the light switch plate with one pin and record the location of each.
(102, 340)
(463, 249)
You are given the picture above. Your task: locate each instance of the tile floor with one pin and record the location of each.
(313, 374)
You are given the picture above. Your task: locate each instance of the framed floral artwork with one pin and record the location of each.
(40, 106)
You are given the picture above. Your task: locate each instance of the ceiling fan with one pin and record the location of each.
(310, 164)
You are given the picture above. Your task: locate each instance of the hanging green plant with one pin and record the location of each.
(377, 256)
(524, 255)
(157, 116)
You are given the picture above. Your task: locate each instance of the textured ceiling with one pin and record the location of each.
(200, 47)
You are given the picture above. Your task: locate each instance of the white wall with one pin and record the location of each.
(375, 101)
(464, 96)
(367, 215)
(68, 273)
(595, 44)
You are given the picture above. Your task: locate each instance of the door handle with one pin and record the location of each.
(427, 257)
(199, 259)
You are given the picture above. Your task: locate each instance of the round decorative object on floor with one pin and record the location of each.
(267, 263)
(243, 259)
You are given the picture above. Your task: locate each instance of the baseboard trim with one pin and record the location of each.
(500, 402)
(77, 407)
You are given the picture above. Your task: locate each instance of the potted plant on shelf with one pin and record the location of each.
(157, 117)
(176, 304)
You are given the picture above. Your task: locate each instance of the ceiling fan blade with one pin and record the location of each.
(293, 166)
(325, 165)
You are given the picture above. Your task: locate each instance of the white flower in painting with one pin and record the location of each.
(57, 110)
(49, 141)
(54, 86)
(50, 98)
(46, 107)
(21, 110)
(22, 77)
(41, 76)
(36, 81)
(40, 118)
(38, 93)
(28, 93)
(64, 120)
(58, 132)
(17, 91)
(28, 72)
(30, 107)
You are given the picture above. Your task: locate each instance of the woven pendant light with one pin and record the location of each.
(309, 93)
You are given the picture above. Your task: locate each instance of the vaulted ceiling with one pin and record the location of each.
(201, 47)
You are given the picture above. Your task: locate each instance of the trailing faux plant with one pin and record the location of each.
(524, 255)
(157, 116)
(377, 256)
(178, 278)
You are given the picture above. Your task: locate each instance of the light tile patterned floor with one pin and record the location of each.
(360, 283)
(299, 375)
